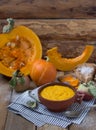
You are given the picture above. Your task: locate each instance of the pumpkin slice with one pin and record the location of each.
(65, 64)
(18, 49)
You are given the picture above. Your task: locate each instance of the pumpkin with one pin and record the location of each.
(18, 49)
(42, 72)
(69, 79)
(65, 64)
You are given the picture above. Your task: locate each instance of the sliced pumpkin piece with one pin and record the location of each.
(18, 49)
(65, 64)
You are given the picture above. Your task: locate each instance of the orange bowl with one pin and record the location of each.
(57, 105)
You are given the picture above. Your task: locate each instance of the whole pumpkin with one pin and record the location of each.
(42, 72)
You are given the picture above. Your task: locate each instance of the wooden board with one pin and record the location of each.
(5, 95)
(16, 122)
(89, 123)
(48, 8)
(23, 124)
(51, 127)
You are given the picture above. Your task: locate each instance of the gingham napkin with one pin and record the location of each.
(41, 115)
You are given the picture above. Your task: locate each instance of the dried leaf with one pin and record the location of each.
(31, 104)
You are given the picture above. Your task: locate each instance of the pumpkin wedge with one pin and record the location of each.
(65, 64)
(18, 49)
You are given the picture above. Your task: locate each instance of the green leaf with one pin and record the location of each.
(93, 91)
(91, 84)
(92, 88)
(13, 82)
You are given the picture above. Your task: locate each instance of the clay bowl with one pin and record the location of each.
(62, 105)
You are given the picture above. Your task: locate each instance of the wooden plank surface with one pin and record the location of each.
(23, 124)
(89, 123)
(67, 35)
(16, 122)
(50, 127)
(48, 8)
(62, 29)
(5, 94)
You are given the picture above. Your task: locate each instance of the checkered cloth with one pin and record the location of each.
(41, 115)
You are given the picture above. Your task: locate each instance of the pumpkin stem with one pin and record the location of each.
(17, 73)
(7, 28)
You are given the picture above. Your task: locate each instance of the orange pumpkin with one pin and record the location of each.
(42, 72)
(18, 48)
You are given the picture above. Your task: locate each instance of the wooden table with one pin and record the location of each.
(56, 23)
(11, 121)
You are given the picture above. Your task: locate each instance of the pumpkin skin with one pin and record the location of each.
(27, 34)
(42, 72)
(65, 64)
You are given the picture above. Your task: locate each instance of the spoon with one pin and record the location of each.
(74, 114)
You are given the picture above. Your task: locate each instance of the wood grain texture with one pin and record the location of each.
(89, 123)
(63, 29)
(67, 35)
(50, 127)
(16, 122)
(48, 8)
(5, 94)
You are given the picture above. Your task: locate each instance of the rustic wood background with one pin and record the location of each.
(48, 8)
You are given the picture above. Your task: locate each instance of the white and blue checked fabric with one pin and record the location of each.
(41, 115)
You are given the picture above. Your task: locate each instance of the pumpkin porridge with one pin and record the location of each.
(57, 93)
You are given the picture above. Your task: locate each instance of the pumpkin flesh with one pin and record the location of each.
(18, 49)
(65, 64)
